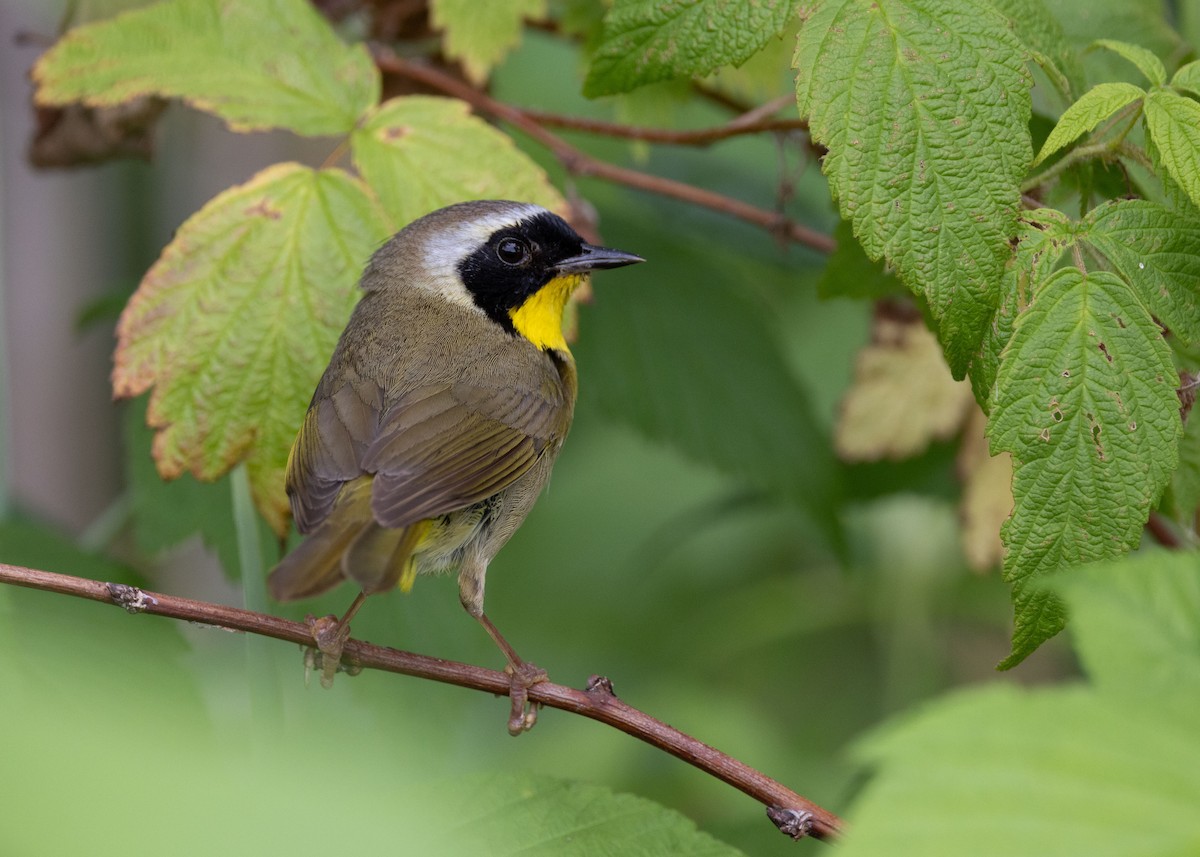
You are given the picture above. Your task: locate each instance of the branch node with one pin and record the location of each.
(796, 823)
(600, 688)
(130, 598)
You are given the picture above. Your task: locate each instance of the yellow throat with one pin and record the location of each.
(539, 319)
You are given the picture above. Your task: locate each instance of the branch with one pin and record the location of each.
(579, 163)
(789, 811)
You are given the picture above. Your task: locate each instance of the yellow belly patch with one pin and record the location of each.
(539, 319)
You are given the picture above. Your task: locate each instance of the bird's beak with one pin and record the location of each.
(592, 258)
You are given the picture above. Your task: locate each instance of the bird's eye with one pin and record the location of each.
(512, 251)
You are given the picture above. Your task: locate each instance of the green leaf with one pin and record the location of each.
(480, 35)
(1085, 402)
(850, 274)
(1042, 237)
(235, 322)
(902, 94)
(1136, 625)
(1174, 124)
(1096, 105)
(266, 64)
(749, 417)
(1047, 43)
(1188, 78)
(1158, 253)
(1147, 63)
(1050, 770)
(420, 153)
(647, 40)
(519, 814)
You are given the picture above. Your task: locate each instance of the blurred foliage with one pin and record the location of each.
(701, 542)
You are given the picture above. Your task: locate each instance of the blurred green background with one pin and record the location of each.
(699, 543)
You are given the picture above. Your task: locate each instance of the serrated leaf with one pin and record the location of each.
(1085, 402)
(234, 323)
(268, 64)
(1174, 124)
(1188, 78)
(1136, 624)
(1147, 63)
(1096, 105)
(903, 397)
(531, 816)
(420, 153)
(1047, 43)
(480, 35)
(979, 771)
(1155, 251)
(903, 95)
(1042, 236)
(850, 274)
(646, 41)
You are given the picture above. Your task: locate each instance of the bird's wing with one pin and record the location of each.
(433, 450)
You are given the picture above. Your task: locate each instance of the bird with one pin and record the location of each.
(437, 422)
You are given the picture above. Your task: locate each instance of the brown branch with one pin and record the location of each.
(579, 163)
(789, 811)
(758, 120)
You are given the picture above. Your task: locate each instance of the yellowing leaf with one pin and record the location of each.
(479, 35)
(420, 153)
(903, 397)
(235, 322)
(987, 498)
(262, 64)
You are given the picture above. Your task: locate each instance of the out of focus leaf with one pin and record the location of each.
(646, 41)
(235, 322)
(987, 498)
(903, 396)
(420, 153)
(1145, 60)
(480, 35)
(850, 274)
(266, 64)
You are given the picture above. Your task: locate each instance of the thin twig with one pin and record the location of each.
(579, 163)
(760, 119)
(598, 702)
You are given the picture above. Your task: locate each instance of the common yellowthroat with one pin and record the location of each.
(442, 410)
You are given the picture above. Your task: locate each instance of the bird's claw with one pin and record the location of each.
(523, 714)
(330, 635)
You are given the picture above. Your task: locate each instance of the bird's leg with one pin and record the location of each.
(522, 676)
(330, 635)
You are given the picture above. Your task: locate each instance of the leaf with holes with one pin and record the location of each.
(480, 35)
(268, 64)
(924, 107)
(420, 153)
(645, 41)
(1158, 253)
(1085, 402)
(235, 322)
(1096, 105)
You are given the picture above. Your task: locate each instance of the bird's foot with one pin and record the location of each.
(330, 635)
(522, 676)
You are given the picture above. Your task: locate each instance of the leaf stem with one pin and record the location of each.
(798, 815)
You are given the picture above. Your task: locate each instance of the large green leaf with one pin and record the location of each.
(1174, 124)
(234, 323)
(1042, 236)
(420, 153)
(1085, 402)
(1158, 253)
(479, 35)
(266, 64)
(924, 107)
(647, 40)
